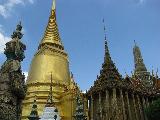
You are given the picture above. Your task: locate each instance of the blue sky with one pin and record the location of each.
(81, 29)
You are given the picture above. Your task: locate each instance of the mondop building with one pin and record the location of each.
(52, 94)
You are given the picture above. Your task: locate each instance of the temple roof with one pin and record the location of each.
(109, 73)
(109, 70)
(138, 60)
(51, 35)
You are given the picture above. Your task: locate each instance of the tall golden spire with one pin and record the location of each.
(51, 35)
(50, 57)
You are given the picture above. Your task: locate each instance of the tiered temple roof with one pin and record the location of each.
(138, 60)
(140, 82)
(108, 74)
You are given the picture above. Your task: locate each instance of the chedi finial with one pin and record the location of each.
(54, 5)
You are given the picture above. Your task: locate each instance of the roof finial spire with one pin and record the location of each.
(106, 44)
(51, 90)
(152, 71)
(135, 42)
(50, 102)
(54, 5)
(104, 30)
(157, 73)
(138, 60)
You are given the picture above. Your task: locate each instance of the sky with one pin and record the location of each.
(81, 30)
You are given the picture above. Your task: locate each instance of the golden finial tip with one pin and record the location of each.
(54, 5)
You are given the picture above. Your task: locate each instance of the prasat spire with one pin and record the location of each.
(140, 71)
(138, 60)
(107, 57)
(51, 35)
(108, 65)
(108, 73)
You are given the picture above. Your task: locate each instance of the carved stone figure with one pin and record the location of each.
(12, 81)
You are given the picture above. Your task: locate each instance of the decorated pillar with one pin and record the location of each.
(144, 106)
(92, 107)
(140, 108)
(100, 105)
(128, 104)
(114, 105)
(107, 105)
(147, 102)
(135, 108)
(144, 102)
(86, 102)
(123, 106)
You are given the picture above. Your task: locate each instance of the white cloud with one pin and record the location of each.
(31, 1)
(3, 40)
(1, 28)
(26, 75)
(9, 5)
(84, 91)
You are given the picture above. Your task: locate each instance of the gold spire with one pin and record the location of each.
(54, 5)
(51, 35)
(50, 102)
(50, 57)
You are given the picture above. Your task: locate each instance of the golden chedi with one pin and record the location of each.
(50, 58)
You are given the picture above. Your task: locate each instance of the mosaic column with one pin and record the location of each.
(135, 108)
(92, 107)
(86, 107)
(128, 104)
(147, 102)
(152, 100)
(114, 105)
(140, 108)
(144, 106)
(107, 105)
(100, 105)
(123, 106)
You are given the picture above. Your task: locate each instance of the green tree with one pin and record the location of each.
(153, 111)
(79, 113)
